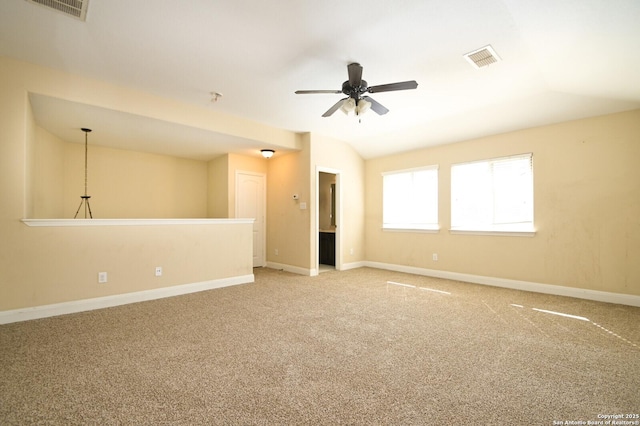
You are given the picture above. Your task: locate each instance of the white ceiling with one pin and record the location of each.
(561, 60)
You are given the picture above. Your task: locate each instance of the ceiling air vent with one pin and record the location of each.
(74, 8)
(482, 57)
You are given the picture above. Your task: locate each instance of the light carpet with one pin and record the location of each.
(364, 346)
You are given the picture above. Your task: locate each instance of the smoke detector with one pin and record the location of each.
(482, 57)
(75, 8)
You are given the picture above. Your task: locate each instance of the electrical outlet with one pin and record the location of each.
(277, 252)
(303, 206)
(102, 277)
(351, 252)
(158, 271)
(435, 257)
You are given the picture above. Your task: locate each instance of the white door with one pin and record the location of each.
(251, 203)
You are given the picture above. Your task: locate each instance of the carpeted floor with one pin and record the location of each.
(363, 346)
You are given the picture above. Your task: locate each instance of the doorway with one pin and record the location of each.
(251, 202)
(328, 221)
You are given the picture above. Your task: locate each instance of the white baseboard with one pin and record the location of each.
(75, 306)
(352, 265)
(311, 272)
(44, 311)
(293, 269)
(579, 293)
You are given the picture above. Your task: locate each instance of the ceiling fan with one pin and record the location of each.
(355, 88)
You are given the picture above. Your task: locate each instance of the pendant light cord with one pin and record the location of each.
(85, 163)
(85, 198)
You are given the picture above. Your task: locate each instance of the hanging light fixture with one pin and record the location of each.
(84, 199)
(267, 153)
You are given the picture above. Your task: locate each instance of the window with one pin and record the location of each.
(410, 199)
(493, 195)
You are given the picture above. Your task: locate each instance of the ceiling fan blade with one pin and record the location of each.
(355, 74)
(376, 106)
(334, 108)
(310, 92)
(404, 85)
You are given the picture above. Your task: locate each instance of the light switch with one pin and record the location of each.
(303, 206)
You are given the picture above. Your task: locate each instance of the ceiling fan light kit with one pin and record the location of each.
(350, 105)
(363, 106)
(355, 88)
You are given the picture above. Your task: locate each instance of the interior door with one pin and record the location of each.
(251, 203)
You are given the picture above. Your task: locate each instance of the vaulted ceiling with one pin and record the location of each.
(560, 60)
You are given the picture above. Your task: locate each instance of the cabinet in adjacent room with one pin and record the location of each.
(327, 248)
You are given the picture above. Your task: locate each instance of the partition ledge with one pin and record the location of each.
(131, 222)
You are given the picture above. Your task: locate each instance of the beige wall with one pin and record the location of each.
(218, 187)
(287, 225)
(47, 265)
(587, 208)
(336, 155)
(294, 231)
(59, 264)
(122, 184)
(30, 159)
(129, 184)
(47, 176)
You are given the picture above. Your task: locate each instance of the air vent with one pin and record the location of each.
(482, 57)
(74, 8)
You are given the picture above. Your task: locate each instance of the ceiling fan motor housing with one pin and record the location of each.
(354, 92)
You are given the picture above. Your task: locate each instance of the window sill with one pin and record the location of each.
(417, 230)
(494, 232)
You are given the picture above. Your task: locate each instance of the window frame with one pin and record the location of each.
(426, 227)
